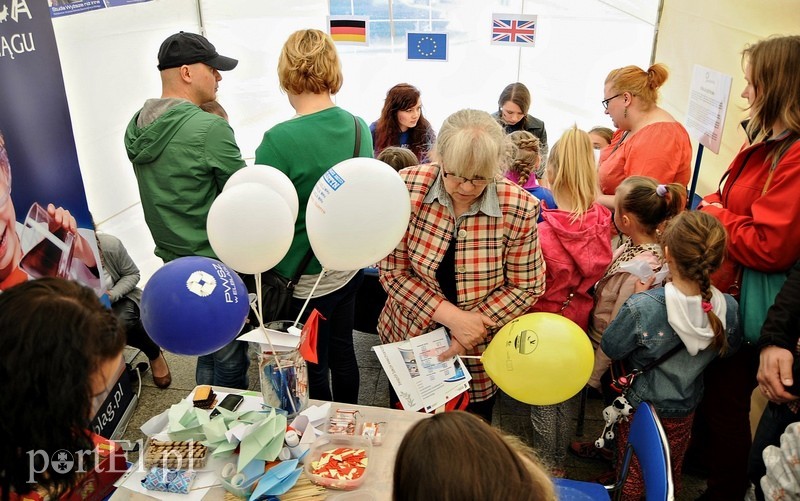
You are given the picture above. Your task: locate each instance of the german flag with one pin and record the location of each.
(348, 29)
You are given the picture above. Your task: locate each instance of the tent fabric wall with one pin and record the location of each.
(109, 60)
(713, 33)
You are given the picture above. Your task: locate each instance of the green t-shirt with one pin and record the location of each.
(304, 148)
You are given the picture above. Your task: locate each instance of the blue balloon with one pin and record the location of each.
(194, 306)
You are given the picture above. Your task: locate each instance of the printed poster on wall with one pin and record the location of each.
(60, 8)
(40, 179)
(708, 105)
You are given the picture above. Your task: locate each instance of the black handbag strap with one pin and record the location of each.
(302, 267)
(357, 147)
(624, 381)
(663, 358)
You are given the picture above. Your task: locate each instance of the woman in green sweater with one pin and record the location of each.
(304, 148)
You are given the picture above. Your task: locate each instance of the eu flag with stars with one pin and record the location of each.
(428, 46)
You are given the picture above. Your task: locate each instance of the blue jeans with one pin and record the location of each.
(335, 353)
(225, 367)
(770, 428)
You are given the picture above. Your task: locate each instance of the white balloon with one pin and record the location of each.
(357, 214)
(269, 177)
(250, 227)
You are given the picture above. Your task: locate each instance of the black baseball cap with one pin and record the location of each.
(189, 48)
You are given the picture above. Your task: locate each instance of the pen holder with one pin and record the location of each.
(284, 376)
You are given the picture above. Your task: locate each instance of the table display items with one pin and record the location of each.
(339, 461)
(283, 374)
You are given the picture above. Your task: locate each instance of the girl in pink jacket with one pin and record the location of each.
(576, 246)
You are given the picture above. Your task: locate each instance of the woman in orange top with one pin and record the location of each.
(648, 140)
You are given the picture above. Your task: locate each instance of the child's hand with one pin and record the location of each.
(643, 286)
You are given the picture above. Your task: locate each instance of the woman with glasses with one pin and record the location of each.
(401, 123)
(648, 140)
(470, 260)
(512, 114)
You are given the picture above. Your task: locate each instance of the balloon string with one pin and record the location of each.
(297, 320)
(258, 311)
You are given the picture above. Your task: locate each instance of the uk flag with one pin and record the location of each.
(513, 29)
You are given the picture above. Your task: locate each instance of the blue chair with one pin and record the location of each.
(649, 442)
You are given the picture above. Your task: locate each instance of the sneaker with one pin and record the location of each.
(587, 450)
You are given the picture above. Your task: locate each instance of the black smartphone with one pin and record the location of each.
(230, 402)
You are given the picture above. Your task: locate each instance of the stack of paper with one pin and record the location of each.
(417, 376)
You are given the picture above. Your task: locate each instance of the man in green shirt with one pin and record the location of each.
(182, 157)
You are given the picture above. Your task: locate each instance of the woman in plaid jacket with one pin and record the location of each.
(470, 260)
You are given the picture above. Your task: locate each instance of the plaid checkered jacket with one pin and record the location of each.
(499, 267)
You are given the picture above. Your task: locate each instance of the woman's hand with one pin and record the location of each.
(775, 374)
(707, 204)
(467, 328)
(64, 220)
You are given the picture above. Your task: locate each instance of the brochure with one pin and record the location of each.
(417, 376)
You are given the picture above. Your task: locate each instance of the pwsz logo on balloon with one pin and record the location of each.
(194, 305)
(226, 280)
(201, 283)
(333, 179)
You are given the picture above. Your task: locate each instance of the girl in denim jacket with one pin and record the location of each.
(688, 311)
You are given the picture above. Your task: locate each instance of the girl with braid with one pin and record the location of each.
(687, 311)
(525, 162)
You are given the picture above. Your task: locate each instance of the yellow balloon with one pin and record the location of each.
(540, 358)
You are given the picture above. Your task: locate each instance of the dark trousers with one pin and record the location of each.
(337, 367)
(128, 314)
(228, 366)
(721, 435)
(225, 367)
(483, 409)
(772, 425)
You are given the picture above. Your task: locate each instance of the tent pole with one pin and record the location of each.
(655, 32)
(200, 17)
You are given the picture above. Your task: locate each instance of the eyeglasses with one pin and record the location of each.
(478, 182)
(605, 101)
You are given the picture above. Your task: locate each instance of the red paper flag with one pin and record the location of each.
(308, 337)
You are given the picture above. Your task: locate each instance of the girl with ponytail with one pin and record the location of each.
(687, 311)
(641, 209)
